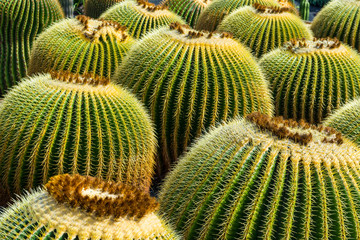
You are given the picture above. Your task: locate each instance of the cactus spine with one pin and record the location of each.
(264, 28)
(191, 80)
(140, 16)
(68, 7)
(305, 10)
(67, 123)
(94, 8)
(20, 22)
(339, 19)
(81, 45)
(84, 208)
(310, 79)
(266, 178)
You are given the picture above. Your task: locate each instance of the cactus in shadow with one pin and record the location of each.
(191, 80)
(81, 45)
(339, 19)
(70, 123)
(86, 208)
(20, 22)
(305, 10)
(310, 79)
(266, 178)
(68, 7)
(94, 8)
(264, 28)
(140, 16)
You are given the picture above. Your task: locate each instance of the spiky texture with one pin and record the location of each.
(80, 208)
(73, 124)
(20, 22)
(94, 8)
(140, 16)
(81, 45)
(271, 179)
(211, 17)
(340, 19)
(68, 7)
(310, 79)
(189, 10)
(264, 28)
(190, 80)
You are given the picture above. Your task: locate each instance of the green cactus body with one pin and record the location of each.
(211, 17)
(340, 19)
(310, 79)
(266, 179)
(84, 208)
(305, 9)
(20, 22)
(140, 16)
(94, 8)
(81, 45)
(264, 28)
(189, 10)
(68, 7)
(68, 123)
(191, 80)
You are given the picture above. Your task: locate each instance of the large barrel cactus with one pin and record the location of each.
(94, 8)
(264, 28)
(340, 19)
(140, 16)
(310, 79)
(85, 208)
(190, 80)
(20, 22)
(211, 17)
(68, 123)
(266, 178)
(81, 45)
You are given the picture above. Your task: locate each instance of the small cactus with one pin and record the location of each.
(339, 19)
(264, 28)
(85, 208)
(20, 22)
(94, 8)
(310, 79)
(140, 16)
(190, 80)
(266, 178)
(305, 10)
(68, 7)
(213, 14)
(81, 45)
(70, 123)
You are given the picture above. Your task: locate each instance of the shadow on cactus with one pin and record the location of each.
(77, 207)
(70, 123)
(81, 45)
(266, 178)
(94, 8)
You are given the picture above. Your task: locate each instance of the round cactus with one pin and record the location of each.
(211, 17)
(339, 19)
(94, 8)
(310, 79)
(187, 9)
(190, 80)
(81, 45)
(264, 28)
(140, 16)
(51, 125)
(75, 207)
(266, 178)
(20, 22)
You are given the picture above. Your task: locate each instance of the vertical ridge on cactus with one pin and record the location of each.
(20, 22)
(94, 8)
(71, 123)
(310, 79)
(339, 19)
(190, 80)
(264, 28)
(84, 208)
(266, 178)
(81, 45)
(68, 7)
(140, 16)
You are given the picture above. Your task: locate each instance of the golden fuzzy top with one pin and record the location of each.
(85, 78)
(150, 6)
(270, 10)
(305, 46)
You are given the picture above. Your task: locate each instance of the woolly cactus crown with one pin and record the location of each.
(81, 45)
(266, 178)
(310, 79)
(94, 8)
(140, 16)
(84, 208)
